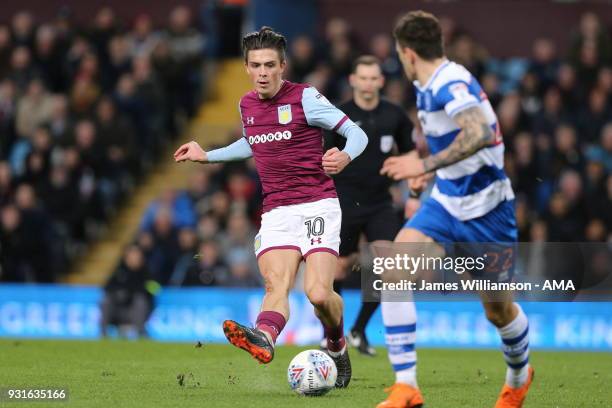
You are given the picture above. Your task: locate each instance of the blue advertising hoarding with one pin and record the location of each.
(71, 312)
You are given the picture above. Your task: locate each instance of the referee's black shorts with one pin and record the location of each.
(379, 222)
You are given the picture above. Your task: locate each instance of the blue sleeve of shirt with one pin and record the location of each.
(239, 150)
(356, 139)
(319, 111)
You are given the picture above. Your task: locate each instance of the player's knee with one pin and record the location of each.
(499, 314)
(318, 296)
(275, 282)
(412, 235)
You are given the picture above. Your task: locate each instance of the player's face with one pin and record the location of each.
(266, 71)
(367, 81)
(406, 56)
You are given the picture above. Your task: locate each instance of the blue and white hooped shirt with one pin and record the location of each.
(475, 185)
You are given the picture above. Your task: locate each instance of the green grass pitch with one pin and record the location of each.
(121, 374)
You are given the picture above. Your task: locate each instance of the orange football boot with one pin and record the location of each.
(402, 396)
(514, 397)
(251, 340)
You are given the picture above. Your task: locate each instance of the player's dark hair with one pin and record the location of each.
(365, 60)
(263, 39)
(421, 32)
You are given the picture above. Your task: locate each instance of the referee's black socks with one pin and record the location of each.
(365, 314)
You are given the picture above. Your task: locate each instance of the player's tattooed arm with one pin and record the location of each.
(475, 135)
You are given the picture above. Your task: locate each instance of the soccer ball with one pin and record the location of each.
(311, 373)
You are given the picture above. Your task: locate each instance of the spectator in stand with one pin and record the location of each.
(117, 142)
(15, 261)
(38, 243)
(8, 110)
(209, 269)
(142, 40)
(178, 203)
(602, 152)
(382, 47)
(186, 46)
(567, 150)
(74, 103)
(127, 301)
(591, 49)
(551, 113)
(544, 62)
(5, 50)
(33, 109)
(302, 58)
(48, 58)
(22, 69)
(594, 116)
(242, 271)
(6, 184)
(465, 51)
(164, 251)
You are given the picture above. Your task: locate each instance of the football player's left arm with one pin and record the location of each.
(321, 113)
(335, 160)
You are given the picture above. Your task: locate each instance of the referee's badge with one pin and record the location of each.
(284, 114)
(386, 143)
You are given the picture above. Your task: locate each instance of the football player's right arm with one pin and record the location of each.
(239, 150)
(463, 105)
(475, 134)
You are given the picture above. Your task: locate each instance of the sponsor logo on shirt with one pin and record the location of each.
(270, 137)
(284, 114)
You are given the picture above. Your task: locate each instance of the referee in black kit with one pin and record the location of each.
(363, 193)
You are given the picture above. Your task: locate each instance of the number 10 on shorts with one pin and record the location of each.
(315, 228)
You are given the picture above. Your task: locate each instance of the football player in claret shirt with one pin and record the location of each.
(283, 125)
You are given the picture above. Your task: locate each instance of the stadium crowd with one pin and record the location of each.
(555, 112)
(84, 112)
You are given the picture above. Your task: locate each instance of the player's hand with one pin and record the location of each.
(402, 167)
(335, 160)
(419, 183)
(190, 151)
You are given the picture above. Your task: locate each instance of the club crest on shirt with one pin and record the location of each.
(284, 114)
(386, 143)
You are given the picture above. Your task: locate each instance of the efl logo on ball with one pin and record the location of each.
(312, 373)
